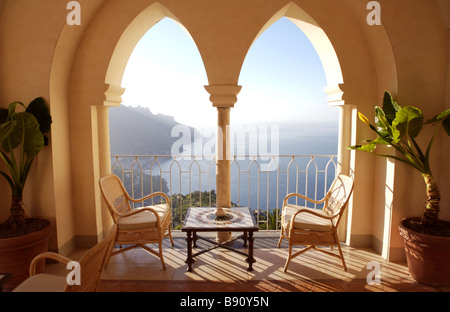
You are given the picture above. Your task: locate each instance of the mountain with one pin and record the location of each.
(137, 131)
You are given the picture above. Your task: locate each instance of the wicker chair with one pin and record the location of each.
(140, 226)
(91, 267)
(316, 227)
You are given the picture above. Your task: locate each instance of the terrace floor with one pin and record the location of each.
(221, 270)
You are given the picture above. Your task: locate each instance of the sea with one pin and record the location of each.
(292, 158)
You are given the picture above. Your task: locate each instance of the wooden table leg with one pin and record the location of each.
(195, 239)
(190, 260)
(250, 258)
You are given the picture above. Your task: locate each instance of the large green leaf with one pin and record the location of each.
(383, 125)
(409, 120)
(3, 115)
(446, 125)
(445, 118)
(40, 110)
(5, 130)
(12, 108)
(27, 134)
(390, 107)
(439, 117)
(369, 147)
(380, 141)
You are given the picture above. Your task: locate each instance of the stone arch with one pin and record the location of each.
(104, 43)
(374, 51)
(318, 39)
(127, 42)
(330, 64)
(95, 85)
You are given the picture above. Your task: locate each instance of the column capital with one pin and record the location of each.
(113, 96)
(223, 95)
(335, 95)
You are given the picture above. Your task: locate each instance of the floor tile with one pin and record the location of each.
(222, 270)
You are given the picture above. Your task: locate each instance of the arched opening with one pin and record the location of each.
(319, 77)
(283, 81)
(152, 67)
(290, 78)
(164, 103)
(163, 83)
(165, 72)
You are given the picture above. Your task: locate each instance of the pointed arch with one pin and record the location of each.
(333, 75)
(100, 56)
(321, 43)
(356, 79)
(126, 44)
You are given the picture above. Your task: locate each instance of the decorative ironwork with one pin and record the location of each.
(257, 181)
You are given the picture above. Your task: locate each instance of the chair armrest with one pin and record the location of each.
(47, 255)
(302, 196)
(150, 196)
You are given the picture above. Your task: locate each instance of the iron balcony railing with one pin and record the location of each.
(259, 182)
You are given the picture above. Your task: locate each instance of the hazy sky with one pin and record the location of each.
(282, 78)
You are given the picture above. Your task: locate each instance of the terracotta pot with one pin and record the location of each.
(428, 256)
(17, 253)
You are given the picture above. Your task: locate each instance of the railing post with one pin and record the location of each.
(223, 97)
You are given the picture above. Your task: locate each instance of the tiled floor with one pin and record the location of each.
(221, 270)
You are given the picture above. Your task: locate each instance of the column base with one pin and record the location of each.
(220, 212)
(223, 237)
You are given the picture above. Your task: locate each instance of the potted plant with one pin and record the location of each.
(22, 137)
(426, 238)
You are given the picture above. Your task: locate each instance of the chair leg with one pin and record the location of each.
(342, 256)
(157, 254)
(288, 258)
(279, 242)
(161, 256)
(336, 237)
(298, 253)
(281, 237)
(170, 236)
(110, 250)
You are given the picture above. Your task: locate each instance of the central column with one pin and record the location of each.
(223, 97)
(223, 156)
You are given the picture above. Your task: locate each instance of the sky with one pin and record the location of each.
(282, 79)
